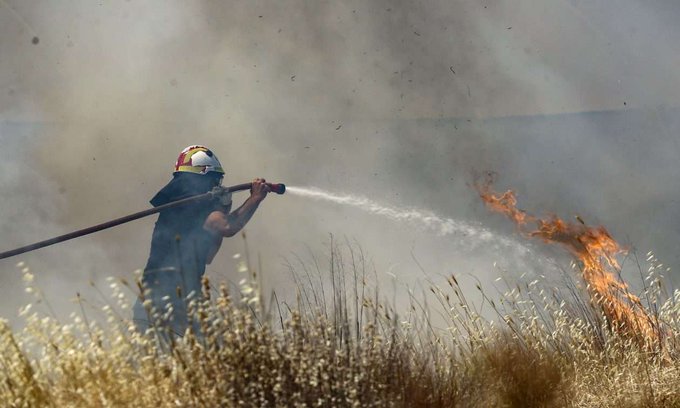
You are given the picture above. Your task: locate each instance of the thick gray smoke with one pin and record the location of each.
(573, 103)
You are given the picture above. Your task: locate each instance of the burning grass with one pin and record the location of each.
(596, 251)
(339, 344)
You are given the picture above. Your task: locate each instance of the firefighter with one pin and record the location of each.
(186, 238)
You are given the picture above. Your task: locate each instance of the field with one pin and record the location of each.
(341, 344)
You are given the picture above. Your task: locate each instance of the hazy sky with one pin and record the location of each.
(573, 103)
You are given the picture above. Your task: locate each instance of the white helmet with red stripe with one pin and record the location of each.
(199, 160)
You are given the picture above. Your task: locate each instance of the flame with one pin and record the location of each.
(597, 252)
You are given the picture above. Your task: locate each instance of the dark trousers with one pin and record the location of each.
(165, 304)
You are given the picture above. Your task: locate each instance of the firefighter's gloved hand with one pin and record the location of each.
(259, 189)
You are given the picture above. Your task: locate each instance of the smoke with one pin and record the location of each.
(396, 101)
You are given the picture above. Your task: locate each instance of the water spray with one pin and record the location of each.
(424, 219)
(214, 194)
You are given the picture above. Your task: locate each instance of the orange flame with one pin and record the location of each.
(597, 252)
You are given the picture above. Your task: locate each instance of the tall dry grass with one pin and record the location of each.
(339, 343)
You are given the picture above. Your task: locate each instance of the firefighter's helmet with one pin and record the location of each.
(199, 160)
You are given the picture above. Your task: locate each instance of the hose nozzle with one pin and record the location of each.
(278, 188)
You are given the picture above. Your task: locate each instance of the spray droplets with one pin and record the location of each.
(475, 235)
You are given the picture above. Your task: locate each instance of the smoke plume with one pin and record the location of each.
(573, 103)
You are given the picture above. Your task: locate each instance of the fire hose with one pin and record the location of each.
(215, 193)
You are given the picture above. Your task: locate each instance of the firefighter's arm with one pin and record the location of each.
(229, 224)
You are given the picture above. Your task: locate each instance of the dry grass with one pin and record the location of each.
(340, 345)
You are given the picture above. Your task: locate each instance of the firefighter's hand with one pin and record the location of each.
(259, 189)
